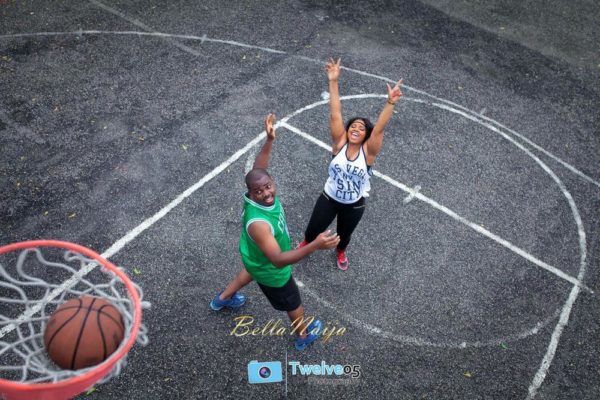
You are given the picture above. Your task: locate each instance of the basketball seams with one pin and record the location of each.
(98, 316)
(118, 322)
(89, 310)
(98, 310)
(65, 323)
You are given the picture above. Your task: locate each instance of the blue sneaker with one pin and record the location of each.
(313, 332)
(234, 302)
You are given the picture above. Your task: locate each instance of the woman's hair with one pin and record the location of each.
(368, 126)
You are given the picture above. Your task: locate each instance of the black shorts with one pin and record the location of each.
(285, 298)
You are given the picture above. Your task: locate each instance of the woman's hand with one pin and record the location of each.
(394, 93)
(269, 121)
(332, 68)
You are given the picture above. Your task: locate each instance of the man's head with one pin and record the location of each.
(261, 187)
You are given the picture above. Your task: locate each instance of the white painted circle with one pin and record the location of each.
(442, 104)
(460, 343)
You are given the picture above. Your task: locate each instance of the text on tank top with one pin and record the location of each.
(348, 180)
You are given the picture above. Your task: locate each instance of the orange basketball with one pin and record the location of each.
(83, 332)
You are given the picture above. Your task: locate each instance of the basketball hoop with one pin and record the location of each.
(32, 285)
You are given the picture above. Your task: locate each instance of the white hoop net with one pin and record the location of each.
(32, 285)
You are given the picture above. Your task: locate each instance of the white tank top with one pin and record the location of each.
(348, 179)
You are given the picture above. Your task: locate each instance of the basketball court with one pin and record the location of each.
(128, 128)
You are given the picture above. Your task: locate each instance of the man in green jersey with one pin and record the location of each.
(266, 250)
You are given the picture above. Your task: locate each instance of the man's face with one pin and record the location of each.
(262, 191)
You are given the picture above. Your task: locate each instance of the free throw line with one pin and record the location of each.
(132, 234)
(454, 215)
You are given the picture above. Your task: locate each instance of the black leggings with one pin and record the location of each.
(326, 209)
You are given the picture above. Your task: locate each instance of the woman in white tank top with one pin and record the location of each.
(355, 147)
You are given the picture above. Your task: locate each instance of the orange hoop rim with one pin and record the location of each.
(86, 379)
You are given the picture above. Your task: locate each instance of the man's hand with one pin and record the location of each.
(332, 68)
(327, 240)
(269, 128)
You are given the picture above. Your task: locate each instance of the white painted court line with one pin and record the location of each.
(489, 120)
(204, 38)
(415, 341)
(455, 216)
(523, 138)
(135, 232)
(541, 373)
(412, 195)
(145, 27)
(574, 293)
(250, 161)
(149, 33)
(119, 244)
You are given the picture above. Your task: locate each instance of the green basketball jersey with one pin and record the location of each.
(256, 263)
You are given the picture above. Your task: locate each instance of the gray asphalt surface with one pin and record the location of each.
(110, 110)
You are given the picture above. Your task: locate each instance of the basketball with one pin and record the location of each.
(83, 332)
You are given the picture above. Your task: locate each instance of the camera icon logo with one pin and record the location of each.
(264, 372)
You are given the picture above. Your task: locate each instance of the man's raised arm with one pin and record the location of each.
(262, 159)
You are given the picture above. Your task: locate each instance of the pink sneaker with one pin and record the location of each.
(342, 260)
(302, 244)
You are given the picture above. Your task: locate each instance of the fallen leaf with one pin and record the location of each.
(137, 271)
(90, 391)
(45, 213)
(504, 346)
(184, 147)
(467, 374)
(72, 215)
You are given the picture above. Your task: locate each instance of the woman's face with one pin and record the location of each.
(357, 131)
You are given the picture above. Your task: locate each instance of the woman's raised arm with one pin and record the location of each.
(376, 140)
(336, 123)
